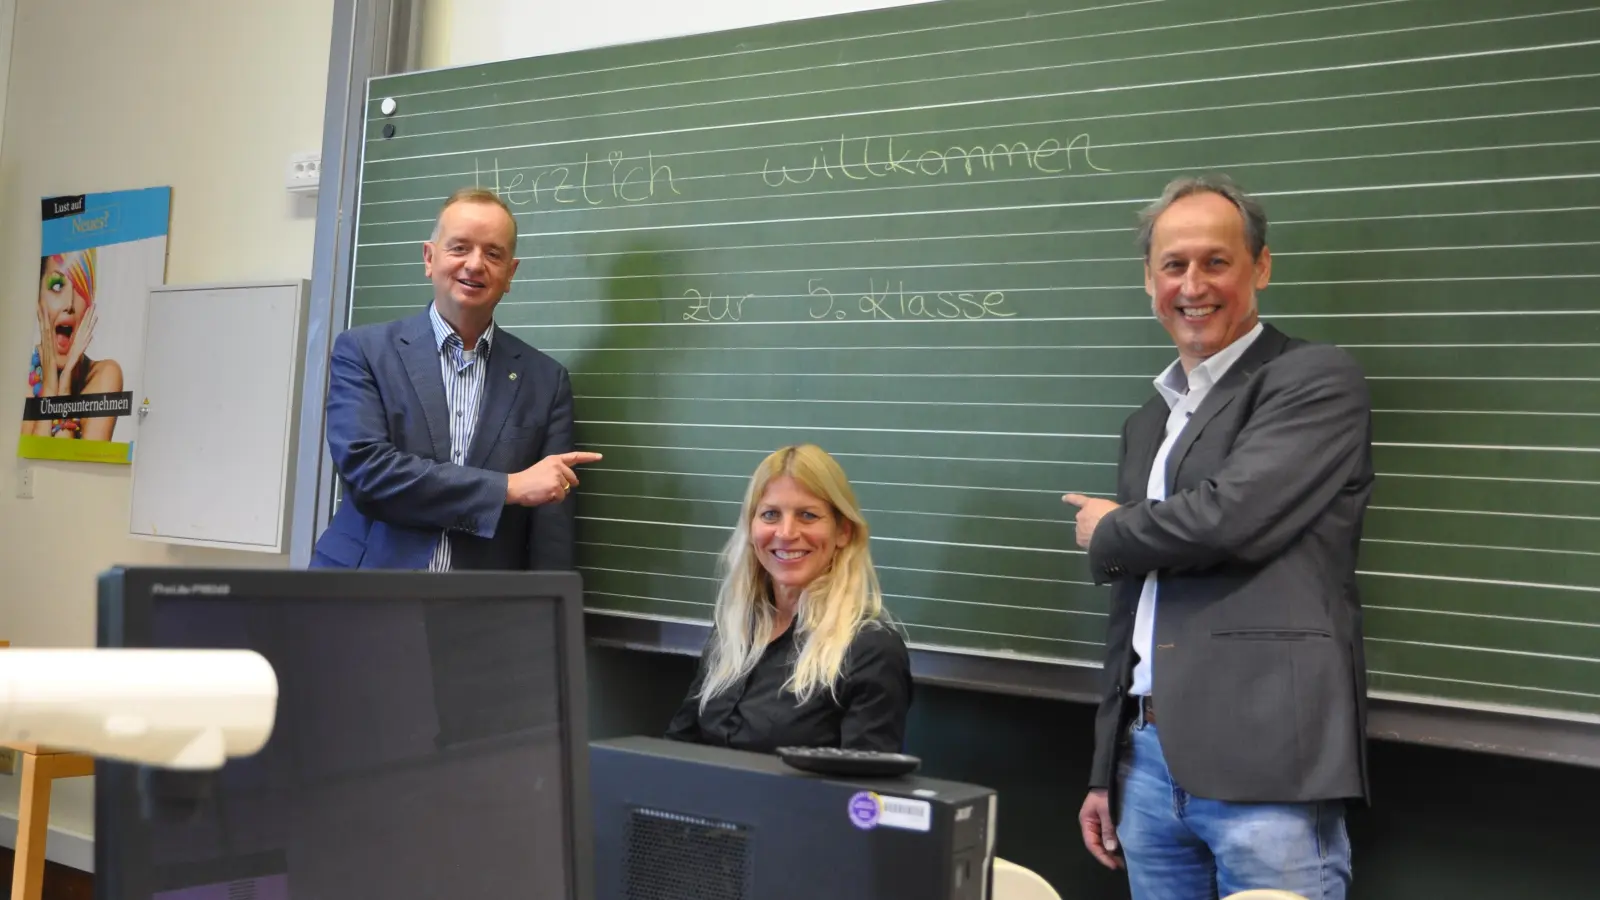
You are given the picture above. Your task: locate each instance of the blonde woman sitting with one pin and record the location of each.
(802, 652)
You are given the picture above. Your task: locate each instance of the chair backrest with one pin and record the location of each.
(1014, 882)
(1265, 894)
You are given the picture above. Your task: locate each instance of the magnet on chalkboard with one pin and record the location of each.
(388, 130)
(387, 106)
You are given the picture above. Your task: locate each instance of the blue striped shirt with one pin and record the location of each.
(464, 374)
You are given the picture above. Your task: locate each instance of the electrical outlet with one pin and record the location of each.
(304, 174)
(25, 483)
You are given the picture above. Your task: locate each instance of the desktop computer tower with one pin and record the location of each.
(676, 821)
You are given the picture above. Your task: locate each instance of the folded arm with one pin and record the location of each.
(388, 483)
(1308, 434)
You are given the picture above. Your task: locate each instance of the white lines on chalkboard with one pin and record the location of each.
(1494, 581)
(708, 604)
(887, 596)
(828, 144)
(808, 45)
(1254, 78)
(1474, 615)
(1485, 684)
(1068, 436)
(1475, 412)
(997, 575)
(919, 375)
(948, 186)
(655, 574)
(991, 605)
(1496, 547)
(1127, 288)
(652, 549)
(1059, 551)
(991, 488)
(1495, 447)
(1020, 434)
(867, 510)
(1452, 477)
(1007, 634)
(1063, 288)
(1142, 376)
(882, 568)
(1439, 249)
(1132, 261)
(891, 402)
(1031, 321)
(1127, 406)
(589, 592)
(1277, 225)
(871, 348)
(1025, 70)
(1004, 235)
(929, 55)
(1132, 203)
(756, 455)
(1501, 650)
(988, 162)
(1497, 512)
(1476, 378)
(858, 482)
(1297, 102)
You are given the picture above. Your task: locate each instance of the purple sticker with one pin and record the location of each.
(864, 810)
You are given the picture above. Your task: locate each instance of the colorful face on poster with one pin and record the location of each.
(99, 256)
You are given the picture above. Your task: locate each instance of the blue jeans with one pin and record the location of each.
(1180, 847)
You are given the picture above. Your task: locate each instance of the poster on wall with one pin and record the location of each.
(99, 256)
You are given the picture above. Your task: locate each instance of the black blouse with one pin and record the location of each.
(874, 695)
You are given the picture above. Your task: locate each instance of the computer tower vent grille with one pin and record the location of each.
(672, 856)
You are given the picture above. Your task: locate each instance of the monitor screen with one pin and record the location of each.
(423, 745)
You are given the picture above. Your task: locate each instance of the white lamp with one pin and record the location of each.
(173, 709)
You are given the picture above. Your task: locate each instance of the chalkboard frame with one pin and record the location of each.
(372, 38)
(1391, 717)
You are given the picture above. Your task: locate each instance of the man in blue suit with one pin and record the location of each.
(452, 438)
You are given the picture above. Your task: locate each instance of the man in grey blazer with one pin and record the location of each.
(1232, 730)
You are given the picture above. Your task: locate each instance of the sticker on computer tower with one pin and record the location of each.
(869, 809)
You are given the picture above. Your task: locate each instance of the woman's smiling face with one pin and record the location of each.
(795, 534)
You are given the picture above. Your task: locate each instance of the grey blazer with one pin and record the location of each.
(1259, 682)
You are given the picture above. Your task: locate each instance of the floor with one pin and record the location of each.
(60, 882)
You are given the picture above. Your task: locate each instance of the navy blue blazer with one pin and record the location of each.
(389, 436)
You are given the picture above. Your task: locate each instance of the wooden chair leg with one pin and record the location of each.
(33, 829)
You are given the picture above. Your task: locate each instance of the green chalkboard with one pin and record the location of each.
(907, 235)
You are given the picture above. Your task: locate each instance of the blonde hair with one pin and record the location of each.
(832, 609)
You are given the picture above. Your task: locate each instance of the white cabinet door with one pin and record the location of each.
(213, 451)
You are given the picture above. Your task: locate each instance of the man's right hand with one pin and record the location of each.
(1099, 835)
(546, 481)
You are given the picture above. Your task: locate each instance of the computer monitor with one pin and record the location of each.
(677, 821)
(430, 740)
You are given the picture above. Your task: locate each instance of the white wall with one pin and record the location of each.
(8, 16)
(210, 97)
(457, 32)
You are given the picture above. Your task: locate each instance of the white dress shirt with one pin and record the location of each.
(1183, 395)
(464, 372)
